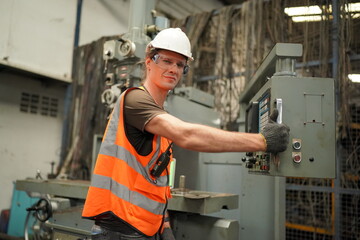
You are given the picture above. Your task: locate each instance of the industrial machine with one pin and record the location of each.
(305, 104)
(123, 56)
(59, 210)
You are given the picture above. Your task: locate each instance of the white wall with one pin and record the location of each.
(28, 141)
(38, 35)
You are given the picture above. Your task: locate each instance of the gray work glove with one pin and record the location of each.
(275, 134)
(167, 234)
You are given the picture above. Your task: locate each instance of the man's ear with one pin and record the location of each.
(147, 61)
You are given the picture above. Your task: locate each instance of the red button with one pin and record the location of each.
(297, 158)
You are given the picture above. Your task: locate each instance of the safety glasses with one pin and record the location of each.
(167, 63)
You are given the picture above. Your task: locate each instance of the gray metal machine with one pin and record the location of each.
(59, 211)
(305, 104)
(123, 55)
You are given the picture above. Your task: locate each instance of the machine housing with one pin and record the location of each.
(305, 104)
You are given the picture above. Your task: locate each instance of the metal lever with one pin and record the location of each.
(279, 104)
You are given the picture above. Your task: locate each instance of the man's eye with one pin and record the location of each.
(180, 65)
(167, 61)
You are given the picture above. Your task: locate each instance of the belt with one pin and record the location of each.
(100, 233)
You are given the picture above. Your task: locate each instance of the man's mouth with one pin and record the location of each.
(171, 77)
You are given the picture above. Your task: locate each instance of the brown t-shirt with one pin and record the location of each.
(139, 109)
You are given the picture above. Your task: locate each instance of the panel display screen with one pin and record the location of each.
(264, 109)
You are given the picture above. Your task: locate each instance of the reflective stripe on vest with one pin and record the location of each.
(122, 192)
(122, 183)
(109, 149)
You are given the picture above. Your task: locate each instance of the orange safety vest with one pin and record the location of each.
(121, 182)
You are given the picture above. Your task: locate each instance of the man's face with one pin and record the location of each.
(165, 69)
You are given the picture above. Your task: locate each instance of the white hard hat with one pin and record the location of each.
(172, 39)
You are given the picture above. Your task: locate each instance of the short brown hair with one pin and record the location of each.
(150, 53)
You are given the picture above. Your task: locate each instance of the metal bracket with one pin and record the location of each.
(279, 62)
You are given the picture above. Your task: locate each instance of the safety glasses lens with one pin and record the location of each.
(167, 63)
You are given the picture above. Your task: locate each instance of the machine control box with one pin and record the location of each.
(306, 105)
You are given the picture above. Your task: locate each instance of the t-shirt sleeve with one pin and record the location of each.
(140, 108)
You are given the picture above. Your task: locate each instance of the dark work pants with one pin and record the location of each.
(99, 233)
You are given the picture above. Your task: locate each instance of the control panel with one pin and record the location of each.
(307, 106)
(257, 115)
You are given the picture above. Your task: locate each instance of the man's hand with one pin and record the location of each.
(276, 135)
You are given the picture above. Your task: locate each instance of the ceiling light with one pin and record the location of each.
(313, 13)
(354, 78)
(314, 18)
(353, 7)
(301, 11)
(356, 15)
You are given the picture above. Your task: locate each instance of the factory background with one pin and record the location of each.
(52, 77)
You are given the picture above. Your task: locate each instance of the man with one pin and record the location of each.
(128, 195)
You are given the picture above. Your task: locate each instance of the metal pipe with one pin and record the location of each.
(140, 14)
(77, 25)
(279, 208)
(182, 182)
(68, 94)
(335, 75)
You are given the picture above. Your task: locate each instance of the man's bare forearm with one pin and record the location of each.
(208, 139)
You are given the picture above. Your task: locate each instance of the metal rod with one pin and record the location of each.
(270, 66)
(335, 75)
(78, 21)
(279, 208)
